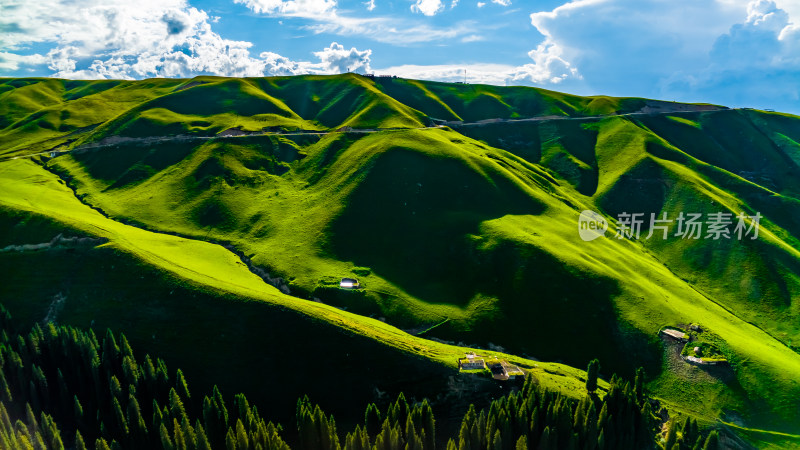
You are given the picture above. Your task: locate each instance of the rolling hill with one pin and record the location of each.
(456, 206)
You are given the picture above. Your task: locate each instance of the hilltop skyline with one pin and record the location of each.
(733, 52)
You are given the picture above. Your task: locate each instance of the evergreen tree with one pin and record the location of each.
(497, 442)
(591, 375)
(672, 435)
(182, 386)
(242, 442)
(545, 442)
(202, 440)
(712, 441)
(372, 420)
(639, 385)
(166, 441)
(79, 443)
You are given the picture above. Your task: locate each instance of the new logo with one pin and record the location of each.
(591, 225)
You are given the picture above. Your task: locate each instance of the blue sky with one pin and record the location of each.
(731, 52)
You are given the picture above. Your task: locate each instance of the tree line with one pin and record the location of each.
(64, 388)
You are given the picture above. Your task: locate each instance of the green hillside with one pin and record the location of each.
(454, 205)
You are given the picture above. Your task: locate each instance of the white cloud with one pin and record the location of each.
(626, 46)
(548, 66)
(756, 63)
(683, 49)
(453, 4)
(476, 73)
(726, 51)
(481, 4)
(293, 8)
(386, 30)
(472, 38)
(427, 7)
(337, 59)
(502, 2)
(163, 38)
(12, 61)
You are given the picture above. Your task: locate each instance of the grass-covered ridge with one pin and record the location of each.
(468, 226)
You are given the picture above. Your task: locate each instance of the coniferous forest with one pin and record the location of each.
(63, 388)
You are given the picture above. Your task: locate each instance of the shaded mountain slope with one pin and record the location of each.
(197, 304)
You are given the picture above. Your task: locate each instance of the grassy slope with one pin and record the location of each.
(517, 272)
(513, 233)
(186, 288)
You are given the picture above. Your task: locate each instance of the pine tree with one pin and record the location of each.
(591, 375)
(497, 441)
(189, 434)
(136, 422)
(712, 441)
(215, 416)
(176, 408)
(372, 420)
(177, 433)
(119, 416)
(241, 436)
(428, 425)
(522, 443)
(101, 444)
(202, 440)
(545, 442)
(639, 385)
(672, 435)
(50, 433)
(166, 442)
(111, 352)
(79, 444)
(77, 411)
(230, 440)
(182, 386)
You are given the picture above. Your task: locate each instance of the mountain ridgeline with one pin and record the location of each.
(456, 207)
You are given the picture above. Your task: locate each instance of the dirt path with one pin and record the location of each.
(233, 133)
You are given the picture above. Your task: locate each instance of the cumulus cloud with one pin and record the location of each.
(692, 50)
(337, 59)
(13, 61)
(756, 63)
(727, 51)
(502, 2)
(427, 7)
(152, 38)
(764, 39)
(548, 66)
(627, 46)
